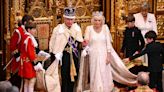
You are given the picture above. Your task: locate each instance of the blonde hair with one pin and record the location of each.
(98, 14)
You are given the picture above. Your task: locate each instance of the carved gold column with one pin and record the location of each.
(53, 8)
(120, 10)
(107, 10)
(159, 11)
(7, 35)
(112, 28)
(112, 12)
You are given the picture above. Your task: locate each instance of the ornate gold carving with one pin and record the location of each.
(112, 17)
(81, 9)
(37, 10)
(6, 34)
(160, 5)
(119, 15)
(18, 5)
(12, 21)
(134, 5)
(160, 25)
(60, 4)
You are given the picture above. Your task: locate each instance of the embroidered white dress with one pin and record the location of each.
(100, 74)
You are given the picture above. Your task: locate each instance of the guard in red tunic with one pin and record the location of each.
(15, 42)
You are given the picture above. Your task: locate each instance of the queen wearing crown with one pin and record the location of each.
(104, 63)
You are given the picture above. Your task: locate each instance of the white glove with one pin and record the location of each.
(85, 51)
(43, 53)
(38, 67)
(59, 56)
(18, 59)
(86, 48)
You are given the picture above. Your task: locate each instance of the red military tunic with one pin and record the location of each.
(15, 46)
(28, 55)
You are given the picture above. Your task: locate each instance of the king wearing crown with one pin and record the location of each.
(64, 48)
(69, 12)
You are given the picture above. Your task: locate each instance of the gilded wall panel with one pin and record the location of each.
(160, 24)
(159, 10)
(134, 5)
(160, 5)
(121, 9)
(44, 30)
(18, 5)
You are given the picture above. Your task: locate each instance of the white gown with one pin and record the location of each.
(102, 75)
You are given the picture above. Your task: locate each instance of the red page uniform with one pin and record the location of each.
(15, 46)
(28, 55)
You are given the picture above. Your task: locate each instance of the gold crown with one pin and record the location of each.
(69, 12)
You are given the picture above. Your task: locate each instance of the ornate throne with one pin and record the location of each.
(45, 22)
(48, 16)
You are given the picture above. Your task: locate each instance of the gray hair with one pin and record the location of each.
(13, 89)
(145, 5)
(98, 14)
(4, 86)
(143, 78)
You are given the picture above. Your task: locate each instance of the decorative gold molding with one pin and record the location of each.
(7, 35)
(37, 10)
(160, 25)
(82, 10)
(160, 5)
(112, 15)
(18, 5)
(120, 11)
(159, 11)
